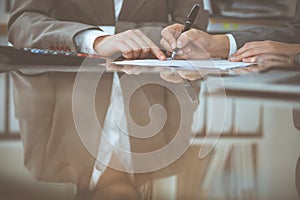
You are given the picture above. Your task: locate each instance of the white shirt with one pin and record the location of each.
(85, 40)
(232, 43)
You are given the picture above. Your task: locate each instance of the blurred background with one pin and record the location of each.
(225, 16)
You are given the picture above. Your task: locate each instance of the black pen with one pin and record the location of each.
(188, 24)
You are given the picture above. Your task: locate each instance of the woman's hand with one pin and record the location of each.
(194, 44)
(251, 51)
(130, 44)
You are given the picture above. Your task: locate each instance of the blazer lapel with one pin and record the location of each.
(130, 8)
(104, 10)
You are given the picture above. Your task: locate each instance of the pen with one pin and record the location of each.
(188, 88)
(188, 24)
(190, 91)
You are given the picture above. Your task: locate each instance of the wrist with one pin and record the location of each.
(98, 40)
(220, 46)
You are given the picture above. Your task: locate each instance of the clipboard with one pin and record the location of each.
(12, 58)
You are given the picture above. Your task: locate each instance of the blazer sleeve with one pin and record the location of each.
(31, 25)
(289, 33)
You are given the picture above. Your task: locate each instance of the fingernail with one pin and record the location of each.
(253, 60)
(161, 57)
(179, 44)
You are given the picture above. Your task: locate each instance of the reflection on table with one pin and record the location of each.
(230, 147)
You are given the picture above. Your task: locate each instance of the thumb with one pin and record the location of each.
(183, 40)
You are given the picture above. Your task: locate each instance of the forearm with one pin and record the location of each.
(35, 30)
(31, 25)
(289, 34)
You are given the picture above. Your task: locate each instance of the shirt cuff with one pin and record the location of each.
(85, 40)
(233, 45)
(108, 29)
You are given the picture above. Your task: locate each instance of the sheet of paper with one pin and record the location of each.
(185, 64)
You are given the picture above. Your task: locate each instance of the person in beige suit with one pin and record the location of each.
(53, 149)
(53, 24)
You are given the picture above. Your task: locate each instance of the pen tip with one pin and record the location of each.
(173, 55)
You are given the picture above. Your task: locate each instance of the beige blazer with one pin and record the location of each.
(288, 33)
(53, 23)
(43, 103)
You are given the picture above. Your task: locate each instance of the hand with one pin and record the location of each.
(130, 44)
(194, 44)
(252, 50)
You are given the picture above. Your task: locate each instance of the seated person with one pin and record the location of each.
(251, 44)
(197, 44)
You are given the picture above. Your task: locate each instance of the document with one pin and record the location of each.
(216, 64)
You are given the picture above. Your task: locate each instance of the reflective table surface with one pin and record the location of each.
(125, 132)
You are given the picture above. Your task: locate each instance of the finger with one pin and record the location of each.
(249, 53)
(237, 56)
(169, 36)
(193, 51)
(185, 50)
(190, 75)
(183, 39)
(153, 48)
(166, 45)
(245, 51)
(128, 56)
(125, 50)
(158, 53)
(168, 53)
(129, 69)
(241, 50)
(170, 76)
(134, 46)
(249, 45)
(250, 59)
(145, 49)
(253, 52)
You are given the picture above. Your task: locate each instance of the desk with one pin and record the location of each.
(260, 164)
